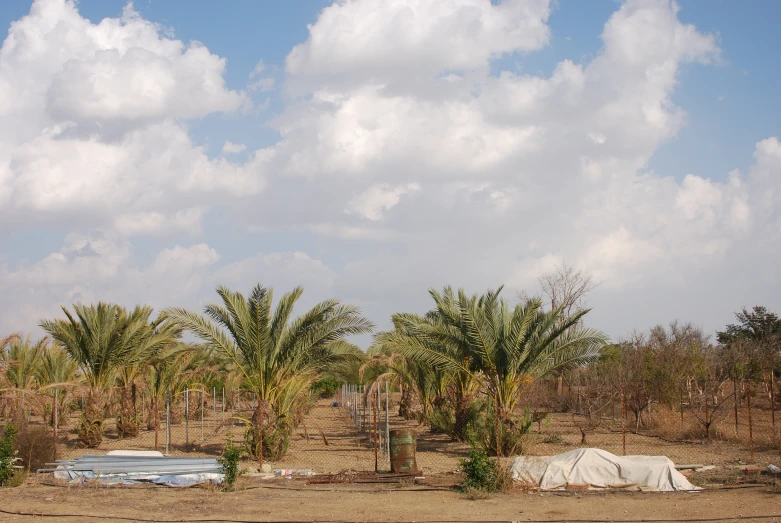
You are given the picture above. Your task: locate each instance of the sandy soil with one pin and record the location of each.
(328, 441)
(293, 500)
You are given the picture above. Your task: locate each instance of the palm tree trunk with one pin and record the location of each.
(259, 416)
(91, 423)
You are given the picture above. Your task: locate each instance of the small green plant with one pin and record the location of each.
(229, 462)
(482, 475)
(7, 455)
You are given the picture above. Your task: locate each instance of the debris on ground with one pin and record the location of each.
(131, 468)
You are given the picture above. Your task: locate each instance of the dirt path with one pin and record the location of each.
(292, 500)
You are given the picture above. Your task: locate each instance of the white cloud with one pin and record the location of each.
(92, 124)
(394, 40)
(233, 148)
(372, 203)
(405, 159)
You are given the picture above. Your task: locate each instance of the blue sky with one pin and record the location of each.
(370, 205)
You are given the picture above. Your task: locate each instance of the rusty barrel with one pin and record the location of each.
(402, 451)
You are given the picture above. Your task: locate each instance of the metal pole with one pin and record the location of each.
(56, 414)
(167, 420)
(203, 407)
(186, 417)
(387, 421)
(378, 414)
(214, 397)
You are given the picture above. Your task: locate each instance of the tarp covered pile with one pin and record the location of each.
(131, 467)
(598, 468)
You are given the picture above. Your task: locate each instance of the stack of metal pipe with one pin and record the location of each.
(129, 469)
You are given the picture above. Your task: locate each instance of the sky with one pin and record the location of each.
(372, 149)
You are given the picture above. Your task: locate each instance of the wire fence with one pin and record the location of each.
(351, 430)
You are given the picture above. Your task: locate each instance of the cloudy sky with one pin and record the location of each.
(371, 149)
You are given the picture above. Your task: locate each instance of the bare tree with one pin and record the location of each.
(567, 287)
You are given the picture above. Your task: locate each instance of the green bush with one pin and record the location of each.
(7, 455)
(325, 387)
(276, 439)
(229, 463)
(481, 473)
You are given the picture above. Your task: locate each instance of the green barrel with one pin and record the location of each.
(402, 451)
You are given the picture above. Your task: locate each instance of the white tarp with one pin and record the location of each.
(599, 469)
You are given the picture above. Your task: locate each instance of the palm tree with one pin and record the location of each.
(57, 375)
(507, 348)
(21, 359)
(103, 338)
(272, 352)
(170, 371)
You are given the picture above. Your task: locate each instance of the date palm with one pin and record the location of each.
(57, 376)
(506, 347)
(103, 338)
(21, 359)
(272, 352)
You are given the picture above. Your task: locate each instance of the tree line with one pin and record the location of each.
(472, 366)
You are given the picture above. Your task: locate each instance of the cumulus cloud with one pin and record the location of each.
(93, 123)
(233, 148)
(408, 158)
(372, 203)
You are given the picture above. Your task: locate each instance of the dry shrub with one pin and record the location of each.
(666, 423)
(36, 447)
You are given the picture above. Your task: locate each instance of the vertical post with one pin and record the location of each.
(773, 404)
(203, 407)
(214, 397)
(167, 420)
(375, 406)
(55, 413)
(623, 420)
(223, 400)
(750, 427)
(379, 412)
(735, 391)
(186, 418)
(387, 420)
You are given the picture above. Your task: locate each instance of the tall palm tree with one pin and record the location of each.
(21, 359)
(102, 338)
(507, 348)
(271, 351)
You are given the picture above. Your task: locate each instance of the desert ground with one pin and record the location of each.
(294, 500)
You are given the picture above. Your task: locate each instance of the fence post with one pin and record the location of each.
(214, 397)
(186, 417)
(375, 406)
(56, 415)
(387, 420)
(623, 420)
(750, 427)
(223, 400)
(167, 419)
(203, 407)
(379, 412)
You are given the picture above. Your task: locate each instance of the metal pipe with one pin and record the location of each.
(387, 420)
(167, 419)
(186, 418)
